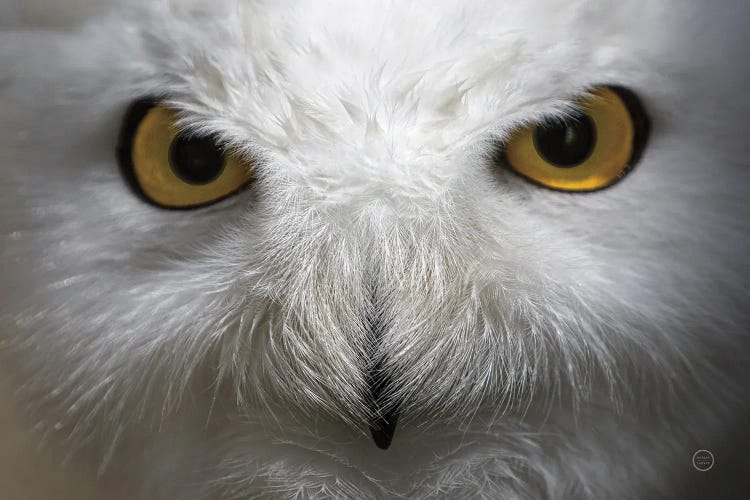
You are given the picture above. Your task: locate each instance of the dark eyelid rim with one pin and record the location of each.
(131, 122)
(641, 128)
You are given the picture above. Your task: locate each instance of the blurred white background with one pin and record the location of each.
(29, 471)
(44, 12)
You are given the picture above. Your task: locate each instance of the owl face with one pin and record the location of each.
(380, 258)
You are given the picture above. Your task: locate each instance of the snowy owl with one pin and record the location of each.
(333, 249)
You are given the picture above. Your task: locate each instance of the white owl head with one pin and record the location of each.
(385, 261)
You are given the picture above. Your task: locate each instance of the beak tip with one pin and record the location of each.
(382, 439)
(382, 433)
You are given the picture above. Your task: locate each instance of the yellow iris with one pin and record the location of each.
(177, 170)
(586, 152)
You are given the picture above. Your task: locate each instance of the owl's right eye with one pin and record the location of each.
(172, 168)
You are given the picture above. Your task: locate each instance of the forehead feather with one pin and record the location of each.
(432, 76)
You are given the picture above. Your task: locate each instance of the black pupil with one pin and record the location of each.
(196, 160)
(566, 144)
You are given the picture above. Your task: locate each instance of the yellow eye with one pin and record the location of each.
(588, 151)
(174, 169)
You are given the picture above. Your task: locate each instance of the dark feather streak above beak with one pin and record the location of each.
(385, 416)
(384, 410)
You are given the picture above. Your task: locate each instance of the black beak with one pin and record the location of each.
(384, 410)
(384, 416)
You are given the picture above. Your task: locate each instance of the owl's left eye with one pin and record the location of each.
(172, 168)
(587, 151)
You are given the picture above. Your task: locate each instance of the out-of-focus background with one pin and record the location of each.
(29, 471)
(45, 12)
